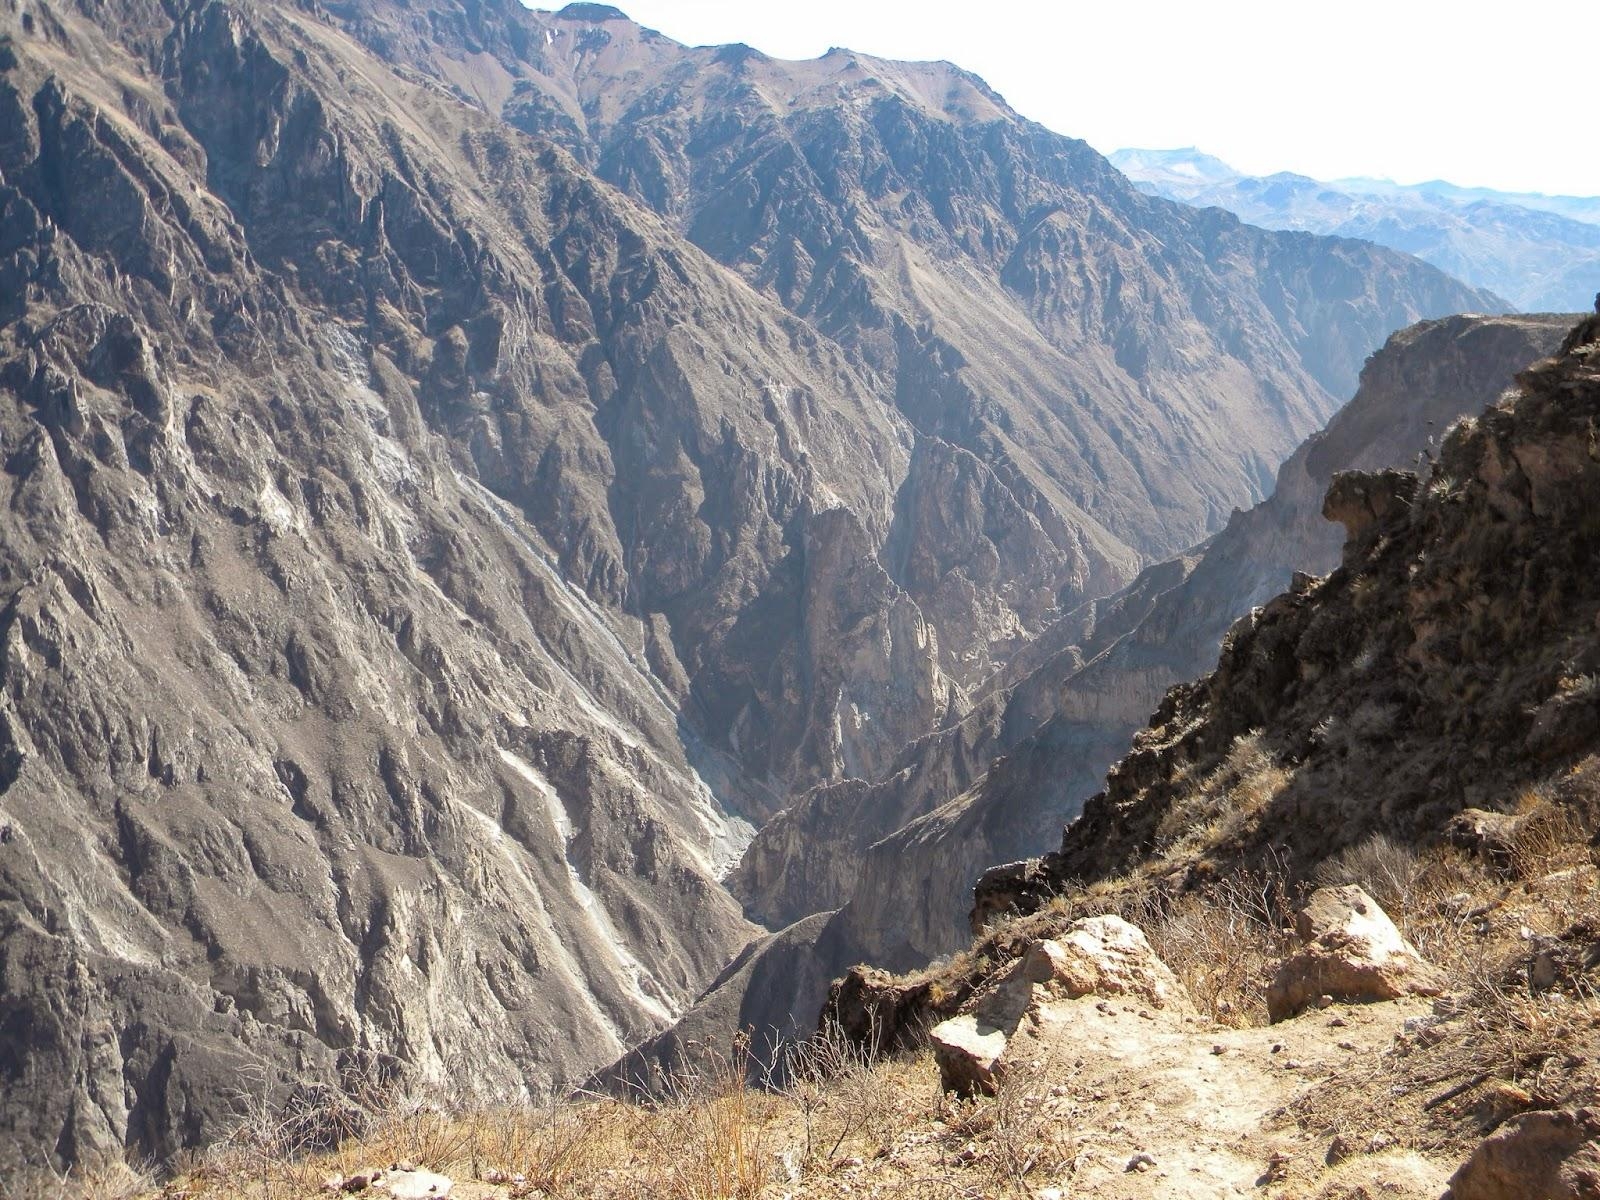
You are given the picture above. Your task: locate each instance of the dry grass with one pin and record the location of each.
(1017, 1137)
(1218, 807)
(705, 1135)
(1511, 1037)
(836, 1119)
(1225, 944)
(116, 1181)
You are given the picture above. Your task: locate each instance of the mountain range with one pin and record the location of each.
(467, 468)
(1541, 252)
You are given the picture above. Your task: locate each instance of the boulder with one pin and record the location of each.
(1095, 957)
(968, 1049)
(1537, 1156)
(1105, 956)
(969, 1046)
(1352, 952)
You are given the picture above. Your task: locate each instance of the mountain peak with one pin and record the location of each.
(581, 11)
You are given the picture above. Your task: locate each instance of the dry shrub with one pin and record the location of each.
(1219, 806)
(1381, 867)
(1016, 1134)
(706, 1140)
(112, 1181)
(1548, 836)
(844, 1095)
(1223, 944)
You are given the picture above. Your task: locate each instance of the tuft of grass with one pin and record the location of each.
(1383, 868)
(1217, 808)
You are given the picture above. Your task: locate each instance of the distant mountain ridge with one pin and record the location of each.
(1541, 252)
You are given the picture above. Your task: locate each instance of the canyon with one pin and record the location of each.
(467, 470)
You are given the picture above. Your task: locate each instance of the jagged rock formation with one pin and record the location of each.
(1017, 299)
(421, 558)
(1449, 659)
(1541, 252)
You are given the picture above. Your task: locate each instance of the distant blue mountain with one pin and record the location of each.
(1541, 252)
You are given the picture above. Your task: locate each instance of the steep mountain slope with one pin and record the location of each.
(1119, 373)
(322, 757)
(898, 857)
(1447, 663)
(1542, 260)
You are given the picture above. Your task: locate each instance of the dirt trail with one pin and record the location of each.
(1170, 1106)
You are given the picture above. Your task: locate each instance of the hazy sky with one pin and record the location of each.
(1499, 96)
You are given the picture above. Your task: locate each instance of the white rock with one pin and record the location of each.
(415, 1185)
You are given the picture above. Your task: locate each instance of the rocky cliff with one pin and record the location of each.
(1446, 663)
(423, 558)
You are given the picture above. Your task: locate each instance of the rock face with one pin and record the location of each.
(459, 472)
(1352, 952)
(1537, 1156)
(1018, 300)
(1436, 668)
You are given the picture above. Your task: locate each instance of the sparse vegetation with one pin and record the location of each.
(1215, 808)
(1517, 939)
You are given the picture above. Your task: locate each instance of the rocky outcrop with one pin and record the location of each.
(1094, 958)
(1358, 500)
(1352, 952)
(1435, 669)
(1552, 1155)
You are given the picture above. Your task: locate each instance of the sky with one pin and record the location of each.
(1406, 90)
